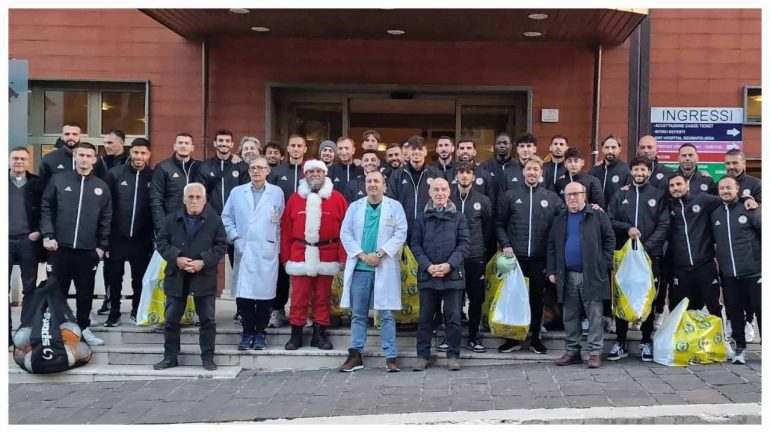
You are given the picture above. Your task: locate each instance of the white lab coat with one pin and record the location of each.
(259, 240)
(391, 236)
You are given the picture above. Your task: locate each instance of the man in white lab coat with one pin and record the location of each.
(373, 232)
(252, 220)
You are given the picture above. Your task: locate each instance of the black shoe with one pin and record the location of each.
(319, 338)
(295, 342)
(105, 308)
(246, 342)
(112, 322)
(132, 317)
(536, 346)
(209, 364)
(166, 363)
(509, 346)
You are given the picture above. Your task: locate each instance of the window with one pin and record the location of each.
(96, 106)
(752, 105)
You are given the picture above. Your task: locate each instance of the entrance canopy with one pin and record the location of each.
(608, 27)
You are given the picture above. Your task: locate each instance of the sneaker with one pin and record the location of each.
(92, 339)
(475, 346)
(537, 346)
(646, 349)
(105, 308)
(246, 342)
(453, 364)
(391, 365)
(275, 319)
(132, 317)
(658, 320)
(618, 351)
(443, 346)
(420, 364)
(112, 322)
(509, 346)
(749, 332)
(237, 318)
(260, 342)
(584, 326)
(740, 357)
(354, 362)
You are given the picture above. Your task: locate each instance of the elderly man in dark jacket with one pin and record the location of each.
(581, 246)
(440, 244)
(192, 241)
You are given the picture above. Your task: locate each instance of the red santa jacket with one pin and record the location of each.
(310, 231)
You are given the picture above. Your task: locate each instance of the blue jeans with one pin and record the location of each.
(361, 290)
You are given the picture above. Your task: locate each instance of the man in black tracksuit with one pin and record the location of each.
(75, 218)
(169, 179)
(131, 232)
(60, 159)
(479, 215)
(525, 214)
(691, 248)
(555, 168)
(513, 173)
(612, 172)
(648, 148)
(286, 176)
(640, 211)
(497, 165)
(344, 171)
(688, 168)
(356, 189)
(410, 183)
(735, 161)
(466, 151)
(738, 236)
(574, 161)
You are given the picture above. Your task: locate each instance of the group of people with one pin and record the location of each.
(286, 220)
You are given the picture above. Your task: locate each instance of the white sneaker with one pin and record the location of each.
(92, 339)
(749, 332)
(740, 357)
(658, 320)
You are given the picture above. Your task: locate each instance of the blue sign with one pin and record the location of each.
(18, 83)
(698, 131)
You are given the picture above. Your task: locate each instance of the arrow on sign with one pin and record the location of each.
(733, 132)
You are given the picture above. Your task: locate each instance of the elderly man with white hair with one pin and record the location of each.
(192, 240)
(312, 252)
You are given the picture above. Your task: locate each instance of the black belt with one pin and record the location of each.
(322, 243)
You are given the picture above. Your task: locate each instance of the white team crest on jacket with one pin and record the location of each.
(746, 192)
(651, 202)
(615, 179)
(704, 187)
(696, 208)
(98, 191)
(544, 203)
(742, 219)
(479, 181)
(235, 173)
(477, 206)
(659, 176)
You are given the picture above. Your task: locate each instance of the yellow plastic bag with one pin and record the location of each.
(688, 338)
(336, 296)
(634, 288)
(492, 280)
(410, 293)
(509, 312)
(152, 304)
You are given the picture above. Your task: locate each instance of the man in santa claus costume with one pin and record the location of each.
(312, 252)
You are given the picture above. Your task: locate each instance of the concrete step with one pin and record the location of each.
(99, 371)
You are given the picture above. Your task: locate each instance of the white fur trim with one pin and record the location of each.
(324, 192)
(323, 268)
(314, 164)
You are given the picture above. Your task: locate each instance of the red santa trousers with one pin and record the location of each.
(305, 289)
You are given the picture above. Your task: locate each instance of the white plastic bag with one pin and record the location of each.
(149, 281)
(634, 284)
(510, 316)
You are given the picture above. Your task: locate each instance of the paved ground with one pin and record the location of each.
(259, 396)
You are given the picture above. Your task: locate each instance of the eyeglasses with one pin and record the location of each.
(574, 194)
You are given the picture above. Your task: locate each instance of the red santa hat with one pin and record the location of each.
(314, 164)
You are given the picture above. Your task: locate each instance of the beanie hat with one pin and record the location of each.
(313, 164)
(327, 143)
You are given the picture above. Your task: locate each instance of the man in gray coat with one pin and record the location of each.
(580, 252)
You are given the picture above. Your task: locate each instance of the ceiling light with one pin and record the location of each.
(396, 32)
(537, 16)
(260, 29)
(532, 34)
(239, 11)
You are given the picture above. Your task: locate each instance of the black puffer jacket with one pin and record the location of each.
(484, 181)
(738, 236)
(286, 176)
(440, 238)
(524, 218)
(552, 171)
(700, 183)
(167, 187)
(477, 209)
(76, 211)
(55, 162)
(612, 178)
(105, 163)
(410, 188)
(660, 175)
(342, 174)
(220, 176)
(690, 244)
(646, 208)
(504, 174)
(594, 194)
(130, 189)
(750, 185)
